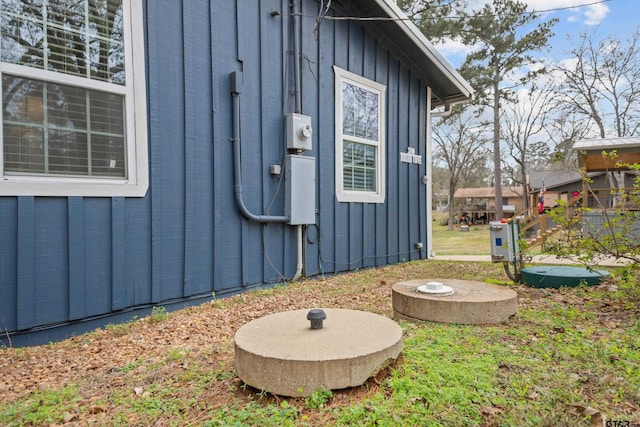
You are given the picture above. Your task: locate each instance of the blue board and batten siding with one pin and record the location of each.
(76, 263)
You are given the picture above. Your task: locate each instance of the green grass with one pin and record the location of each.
(471, 376)
(42, 408)
(476, 241)
(455, 242)
(556, 357)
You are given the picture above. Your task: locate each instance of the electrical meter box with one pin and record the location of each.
(298, 131)
(504, 241)
(300, 189)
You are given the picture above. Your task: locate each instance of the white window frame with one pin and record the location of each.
(343, 195)
(136, 182)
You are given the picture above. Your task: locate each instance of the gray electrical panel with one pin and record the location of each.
(300, 185)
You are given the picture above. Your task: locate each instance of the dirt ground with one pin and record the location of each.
(119, 357)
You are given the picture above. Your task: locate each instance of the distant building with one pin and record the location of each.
(480, 202)
(561, 183)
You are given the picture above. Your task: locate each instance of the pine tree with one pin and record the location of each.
(504, 45)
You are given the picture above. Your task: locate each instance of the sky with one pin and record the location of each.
(613, 17)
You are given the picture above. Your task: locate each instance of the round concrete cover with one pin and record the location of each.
(281, 354)
(471, 303)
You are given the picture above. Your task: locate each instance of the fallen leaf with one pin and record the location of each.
(69, 417)
(589, 411)
(490, 410)
(596, 418)
(416, 399)
(532, 396)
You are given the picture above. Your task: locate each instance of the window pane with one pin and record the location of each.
(23, 149)
(106, 113)
(78, 37)
(67, 152)
(359, 112)
(107, 155)
(59, 129)
(359, 166)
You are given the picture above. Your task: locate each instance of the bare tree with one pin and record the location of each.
(523, 131)
(563, 129)
(602, 83)
(461, 145)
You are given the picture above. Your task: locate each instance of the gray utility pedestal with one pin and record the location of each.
(281, 354)
(470, 303)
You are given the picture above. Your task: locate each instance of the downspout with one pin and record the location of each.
(446, 113)
(236, 90)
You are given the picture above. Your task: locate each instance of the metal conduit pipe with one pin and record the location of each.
(236, 90)
(295, 21)
(295, 13)
(300, 263)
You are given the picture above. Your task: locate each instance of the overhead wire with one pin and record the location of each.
(323, 15)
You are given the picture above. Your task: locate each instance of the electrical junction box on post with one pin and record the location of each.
(300, 189)
(298, 131)
(504, 241)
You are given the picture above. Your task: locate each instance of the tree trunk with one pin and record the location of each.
(497, 171)
(525, 189)
(452, 187)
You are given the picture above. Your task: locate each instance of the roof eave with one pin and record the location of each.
(606, 143)
(418, 53)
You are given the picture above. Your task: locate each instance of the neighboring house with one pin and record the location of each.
(151, 155)
(561, 183)
(480, 202)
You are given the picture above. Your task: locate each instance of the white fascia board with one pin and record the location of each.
(422, 43)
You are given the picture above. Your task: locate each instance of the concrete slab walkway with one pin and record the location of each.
(537, 259)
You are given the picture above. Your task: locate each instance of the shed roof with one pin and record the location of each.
(411, 46)
(607, 143)
(486, 192)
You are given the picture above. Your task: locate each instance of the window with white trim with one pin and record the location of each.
(73, 98)
(360, 138)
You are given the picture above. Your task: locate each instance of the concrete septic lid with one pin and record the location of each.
(281, 354)
(470, 303)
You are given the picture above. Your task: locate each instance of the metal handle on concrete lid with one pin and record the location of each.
(316, 316)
